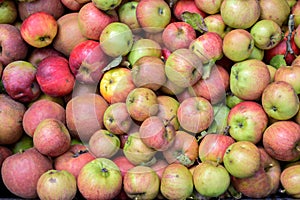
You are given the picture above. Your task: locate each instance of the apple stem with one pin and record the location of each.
(167, 121)
(291, 26)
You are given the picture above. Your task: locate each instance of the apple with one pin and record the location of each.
(240, 14)
(25, 72)
(159, 167)
(123, 163)
(104, 144)
(141, 103)
(74, 159)
(211, 179)
(247, 121)
(11, 116)
(44, 35)
(87, 60)
(157, 133)
(183, 67)
(167, 110)
(232, 100)
(116, 118)
(257, 53)
(141, 182)
(52, 7)
(84, 115)
(272, 71)
(215, 23)
(81, 89)
(144, 47)
(40, 110)
(238, 44)
(242, 159)
(273, 98)
(177, 35)
(214, 87)
(116, 84)
(170, 88)
(158, 15)
(202, 47)
(137, 152)
(176, 182)
(289, 74)
(212, 147)
(290, 179)
(181, 6)
(266, 34)
(13, 47)
(69, 34)
(149, 72)
(195, 114)
(209, 7)
(269, 8)
(127, 15)
(38, 54)
(99, 179)
(281, 140)
(54, 76)
(92, 20)
(72, 5)
(51, 137)
(184, 149)
(20, 172)
(245, 74)
(5, 152)
(61, 181)
(9, 12)
(107, 4)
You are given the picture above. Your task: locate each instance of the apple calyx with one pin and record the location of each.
(195, 20)
(80, 152)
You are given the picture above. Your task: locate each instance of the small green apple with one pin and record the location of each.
(106, 4)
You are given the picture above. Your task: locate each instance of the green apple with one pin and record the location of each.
(8, 12)
(257, 53)
(232, 100)
(116, 39)
(127, 15)
(106, 4)
(276, 10)
(266, 34)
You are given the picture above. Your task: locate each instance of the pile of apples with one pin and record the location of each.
(149, 99)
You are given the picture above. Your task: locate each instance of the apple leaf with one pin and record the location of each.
(207, 69)
(233, 192)
(114, 63)
(278, 61)
(219, 123)
(195, 20)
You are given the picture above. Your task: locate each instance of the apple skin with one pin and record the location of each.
(72, 5)
(177, 35)
(44, 35)
(141, 182)
(247, 121)
(83, 126)
(12, 44)
(273, 98)
(184, 149)
(209, 7)
(86, 61)
(195, 114)
(104, 144)
(127, 15)
(289, 74)
(215, 23)
(157, 133)
(62, 182)
(240, 14)
(290, 180)
(52, 7)
(69, 34)
(54, 76)
(242, 159)
(203, 48)
(116, 118)
(269, 8)
(246, 73)
(9, 12)
(158, 17)
(38, 54)
(123, 163)
(20, 172)
(183, 67)
(51, 137)
(182, 6)
(99, 179)
(296, 11)
(5, 152)
(159, 167)
(92, 20)
(211, 179)
(238, 45)
(25, 72)
(176, 182)
(107, 4)
(212, 147)
(116, 84)
(281, 140)
(73, 159)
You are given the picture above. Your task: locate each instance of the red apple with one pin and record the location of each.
(159, 166)
(38, 54)
(54, 76)
(290, 180)
(72, 5)
(289, 74)
(281, 140)
(123, 163)
(5, 152)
